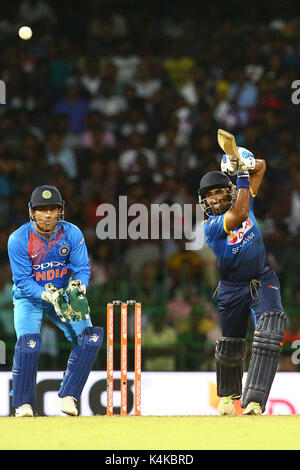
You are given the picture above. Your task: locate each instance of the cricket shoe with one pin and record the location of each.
(24, 411)
(253, 408)
(226, 406)
(67, 405)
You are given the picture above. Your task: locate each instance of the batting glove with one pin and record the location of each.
(247, 159)
(230, 165)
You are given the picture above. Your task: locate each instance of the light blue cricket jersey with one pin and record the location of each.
(36, 260)
(241, 253)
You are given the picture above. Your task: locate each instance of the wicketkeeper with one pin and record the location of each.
(248, 287)
(51, 271)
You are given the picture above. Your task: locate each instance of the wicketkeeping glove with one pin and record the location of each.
(62, 308)
(77, 299)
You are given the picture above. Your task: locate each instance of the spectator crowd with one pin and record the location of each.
(120, 100)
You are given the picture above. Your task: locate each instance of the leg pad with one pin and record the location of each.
(81, 361)
(266, 347)
(24, 371)
(230, 353)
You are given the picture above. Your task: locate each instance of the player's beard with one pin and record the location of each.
(220, 207)
(46, 227)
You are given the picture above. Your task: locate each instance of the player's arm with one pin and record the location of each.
(255, 166)
(79, 260)
(23, 278)
(256, 175)
(21, 268)
(79, 263)
(240, 210)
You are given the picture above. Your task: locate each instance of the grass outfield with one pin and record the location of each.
(151, 432)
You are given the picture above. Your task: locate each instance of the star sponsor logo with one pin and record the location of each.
(236, 236)
(244, 241)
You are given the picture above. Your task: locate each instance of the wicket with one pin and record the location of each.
(123, 355)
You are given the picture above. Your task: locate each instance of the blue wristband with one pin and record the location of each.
(243, 180)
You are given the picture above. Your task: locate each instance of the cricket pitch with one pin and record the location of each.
(151, 432)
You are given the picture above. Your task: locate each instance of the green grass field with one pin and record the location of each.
(153, 432)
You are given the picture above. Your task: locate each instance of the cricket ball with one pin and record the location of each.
(25, 33)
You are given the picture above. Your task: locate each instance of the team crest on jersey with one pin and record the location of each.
(64, 250)
(236, 236)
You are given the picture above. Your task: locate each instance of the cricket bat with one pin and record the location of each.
(228, 144)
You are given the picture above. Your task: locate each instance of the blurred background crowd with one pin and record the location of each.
(115, 98)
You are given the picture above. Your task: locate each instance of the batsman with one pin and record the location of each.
(51, 271)
(248, 287)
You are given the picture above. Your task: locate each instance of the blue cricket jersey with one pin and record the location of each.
(36, 260)
(240, 253)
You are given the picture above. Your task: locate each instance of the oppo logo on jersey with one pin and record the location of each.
(236, 236)
(50, 274)
(51, 264)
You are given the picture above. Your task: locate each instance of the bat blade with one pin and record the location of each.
(228, 144)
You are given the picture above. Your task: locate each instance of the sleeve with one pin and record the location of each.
(215, 228)
(79, 260)
(21, 268)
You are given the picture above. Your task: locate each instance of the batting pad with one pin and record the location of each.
(24, 370)
(266, 347)
(229, 354)
(81, 361)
